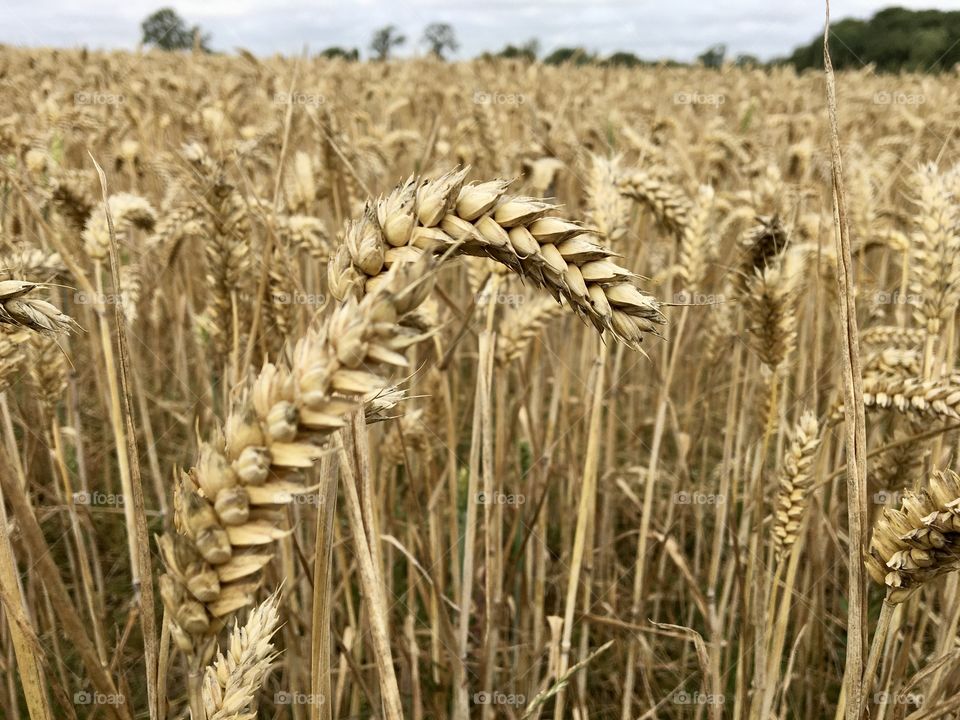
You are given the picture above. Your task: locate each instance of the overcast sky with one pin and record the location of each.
(652, 29)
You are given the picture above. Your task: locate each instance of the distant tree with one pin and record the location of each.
(577, 56)
(166, 30)
(893, 40)
(351, 55)
(713, 56)
(385, 40)
(528, 51)
(440, 37)
(748, 61)
(624, 59)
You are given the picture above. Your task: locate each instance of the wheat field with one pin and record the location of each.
(476, 390)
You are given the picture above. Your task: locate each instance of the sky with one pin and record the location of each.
(651, 29)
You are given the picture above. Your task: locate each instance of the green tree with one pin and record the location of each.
(713, 56)
(166, 30)
(528, 51)
(440, 37)
(351, 55)
(624, 59)
(893, 40)
(385, 40)
(576, 56)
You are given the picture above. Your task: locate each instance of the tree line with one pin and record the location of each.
(894, 39)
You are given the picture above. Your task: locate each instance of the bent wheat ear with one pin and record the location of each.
(761, 248)
(424, 217)
(16, 308)
(920, 541)
(668, 203)
(127, 211)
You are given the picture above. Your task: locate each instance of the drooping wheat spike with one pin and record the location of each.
(770, 306)
(759, 249)
(608, 210)
(177, 225)
(915, 397)
(127, 211)
(668, 203)
(231, 682)
(920, 541)
(893, 336)
(521, 325)
(935, 250)
(16, 308)
(48, 370)
(229, 505)
(697, 240)
(796, 479)
(71, 197)
(423, 216)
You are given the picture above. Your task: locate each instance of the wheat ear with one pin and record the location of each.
(231, 682)
(920, 541)
(18, 309)
(424, 216)
(227, 505)
(796, 479)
